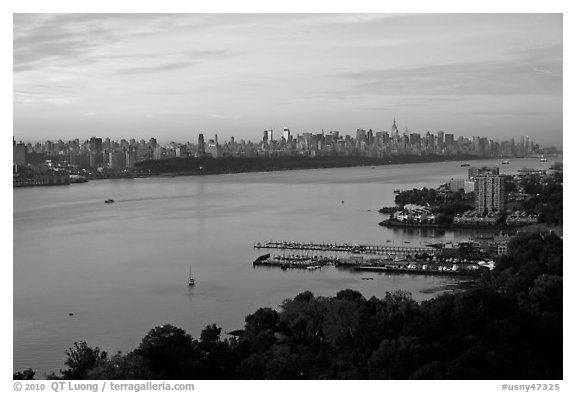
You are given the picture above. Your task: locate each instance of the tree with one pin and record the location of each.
(27, 374)
(166, 348)
(81, 358)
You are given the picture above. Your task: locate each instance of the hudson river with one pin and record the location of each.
(122, 268)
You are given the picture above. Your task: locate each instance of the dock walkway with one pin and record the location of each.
(348, 248)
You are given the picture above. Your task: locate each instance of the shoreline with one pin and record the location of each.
(231, 165)
(397, 224)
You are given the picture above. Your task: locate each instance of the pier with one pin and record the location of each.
(394, 251)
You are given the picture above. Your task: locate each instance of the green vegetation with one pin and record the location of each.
(508, 326)
(199, 166)
(448, 203)
(546, 198)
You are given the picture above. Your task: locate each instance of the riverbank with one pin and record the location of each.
(209, 166)
(398, 224)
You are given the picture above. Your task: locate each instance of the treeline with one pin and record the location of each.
(546, 198)
(508, 326)
(447, 203)
(207, 165)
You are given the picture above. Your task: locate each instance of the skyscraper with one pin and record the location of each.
(96, 144)
(19, 153)
(489, 193)
(286, 134)
(201, 147)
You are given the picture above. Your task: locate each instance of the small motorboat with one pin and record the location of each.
(109, 201)
(191, 281)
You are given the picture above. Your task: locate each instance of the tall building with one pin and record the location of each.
(449, 139)
(440, 139)
(96, 144)
(213, 149)
(286, 134)
(19, 153)
(474, 172)
(489, 193)
(394, 130)
(268, 137)
(116, 160)
(201, 146)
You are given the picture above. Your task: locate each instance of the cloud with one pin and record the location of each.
(505, 113)
(219, 116)
(526, 72)
(30, 97)
(69, 41)
(157, 68)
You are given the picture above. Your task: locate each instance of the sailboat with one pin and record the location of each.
(191, 281)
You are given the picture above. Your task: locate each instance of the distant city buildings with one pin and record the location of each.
(97, 154)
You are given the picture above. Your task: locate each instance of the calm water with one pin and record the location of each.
(122, 268)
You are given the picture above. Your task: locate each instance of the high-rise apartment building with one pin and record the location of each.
(474, 172)
(201, 152)
(116, 160)
(489, 193)
(96, 144)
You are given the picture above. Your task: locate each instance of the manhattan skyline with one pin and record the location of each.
(173, 76)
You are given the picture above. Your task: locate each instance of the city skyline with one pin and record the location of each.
(173, 76)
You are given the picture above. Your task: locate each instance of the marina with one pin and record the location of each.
(387, 250)
(429, 265)
(166, 224)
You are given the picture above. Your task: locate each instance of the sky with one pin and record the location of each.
(173, 76)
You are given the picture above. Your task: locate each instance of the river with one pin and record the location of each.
(122, 268)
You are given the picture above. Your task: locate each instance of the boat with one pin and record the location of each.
(505, 162)
(543, 159)
(396, 191)
(191, 281)
(465, 164)
(109, 201)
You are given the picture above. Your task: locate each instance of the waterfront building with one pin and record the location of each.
(474, 172)
(489, 193)
(521, 218)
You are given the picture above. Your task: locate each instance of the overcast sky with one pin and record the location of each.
(173, 76)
